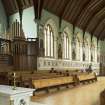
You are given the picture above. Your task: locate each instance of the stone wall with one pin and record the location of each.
(44, 62)
(48, 63)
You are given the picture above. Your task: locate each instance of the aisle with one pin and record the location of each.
(81, 95)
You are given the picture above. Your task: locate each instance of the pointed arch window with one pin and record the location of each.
(49, 41)
(65, 45)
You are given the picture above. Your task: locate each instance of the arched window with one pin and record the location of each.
(49, 41)
(65, 45)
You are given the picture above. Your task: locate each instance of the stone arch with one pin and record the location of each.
(52, 23)
(66, 29)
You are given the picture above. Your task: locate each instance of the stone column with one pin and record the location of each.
(40, 37)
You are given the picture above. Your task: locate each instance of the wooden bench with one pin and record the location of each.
(51, 82)
(40, 79)
(87, 77)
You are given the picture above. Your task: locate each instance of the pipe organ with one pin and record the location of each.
(17, 30)
(18, 50)
(19, 47)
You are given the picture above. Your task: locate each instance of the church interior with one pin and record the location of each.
(56, 47)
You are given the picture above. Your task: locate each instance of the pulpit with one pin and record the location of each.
(19, 96)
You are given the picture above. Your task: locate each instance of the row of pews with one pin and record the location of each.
(45, 79)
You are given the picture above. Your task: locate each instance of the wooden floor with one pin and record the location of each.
(88, 94)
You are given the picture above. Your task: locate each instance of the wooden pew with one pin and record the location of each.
(51, 82)
(45, 79)
(87, 77)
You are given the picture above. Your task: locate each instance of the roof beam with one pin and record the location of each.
(81, 10)
(62, 12)
(77, 10)
(6, 6)
(84, 12)
(20, 6)
(93, 14)
(97, 26)
(71, 7)
(100, 33)
(64, 8)
(38, 6)
(95, 21)
(90, 11)
(15, 4)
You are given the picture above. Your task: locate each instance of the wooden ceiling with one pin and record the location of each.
(88, 15)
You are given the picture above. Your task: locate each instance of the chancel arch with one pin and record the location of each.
(50, 31)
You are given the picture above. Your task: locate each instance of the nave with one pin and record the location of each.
(53, 51)
(88, 94)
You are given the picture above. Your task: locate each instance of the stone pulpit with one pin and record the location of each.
(19, 96)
